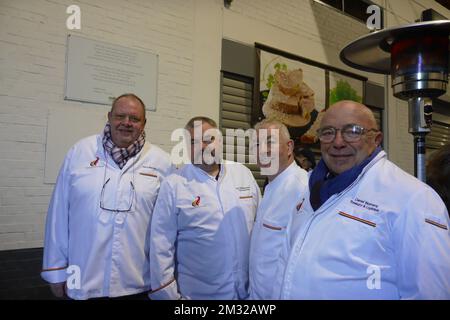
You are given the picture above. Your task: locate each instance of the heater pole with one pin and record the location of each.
(419, 126)
(419, 160)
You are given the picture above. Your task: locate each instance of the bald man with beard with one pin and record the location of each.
(366, 229)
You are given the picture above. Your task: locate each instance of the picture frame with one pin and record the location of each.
(297, 91)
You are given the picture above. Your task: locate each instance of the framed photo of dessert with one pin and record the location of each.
(297, 91)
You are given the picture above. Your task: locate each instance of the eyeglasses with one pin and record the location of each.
(130, 201)
(132, 193)
(349, 132)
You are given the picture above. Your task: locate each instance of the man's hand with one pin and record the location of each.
(58, 289)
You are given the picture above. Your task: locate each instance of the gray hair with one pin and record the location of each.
(190, 124)
(284, 132)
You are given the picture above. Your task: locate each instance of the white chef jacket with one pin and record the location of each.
(386, 236)
(280, 198)
(109, 248)
(200, 234)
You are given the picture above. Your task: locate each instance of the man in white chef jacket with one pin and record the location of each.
(285, 190)
(367, 229)
(200, 229)
(98, 221)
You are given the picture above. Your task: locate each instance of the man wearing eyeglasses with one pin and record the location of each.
(97, 229)
(200, 229)
(367, 229)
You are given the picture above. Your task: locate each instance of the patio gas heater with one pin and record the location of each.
(417, 58)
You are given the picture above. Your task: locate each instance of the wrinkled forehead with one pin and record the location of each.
(339, 117)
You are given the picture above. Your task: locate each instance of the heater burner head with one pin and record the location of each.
(417, 58)
(372, 52)
(415, 55)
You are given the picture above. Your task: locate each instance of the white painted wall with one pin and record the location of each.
(304, 28)
(207, 58)
(187, 36)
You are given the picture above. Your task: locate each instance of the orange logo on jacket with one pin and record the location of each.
(300, 205)
(196, 202)
(94, 162)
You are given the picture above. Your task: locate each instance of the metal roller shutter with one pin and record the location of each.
(235, 113)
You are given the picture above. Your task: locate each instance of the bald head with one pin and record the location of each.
(340, 155)
(347, 109)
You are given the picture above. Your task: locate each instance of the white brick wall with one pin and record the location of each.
(306, 19)
(304, 27)
(32, 65)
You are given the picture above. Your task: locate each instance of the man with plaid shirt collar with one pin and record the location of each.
(98, 218)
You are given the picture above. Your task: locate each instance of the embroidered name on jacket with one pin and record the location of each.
(241, 189)
(365, 204)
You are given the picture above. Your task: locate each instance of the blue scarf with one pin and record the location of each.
(323, 184)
